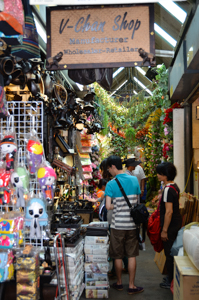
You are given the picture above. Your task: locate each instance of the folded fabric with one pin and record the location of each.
(9, 25)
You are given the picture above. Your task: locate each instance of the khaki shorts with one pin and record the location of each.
(123, 243)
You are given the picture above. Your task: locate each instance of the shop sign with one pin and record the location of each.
(91, 2)
(98, 37)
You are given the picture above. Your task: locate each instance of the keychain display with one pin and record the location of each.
(34, 155)
(20, 181)
(4, 186)
(36, 216)
(9, 146)
(34, 150)
(47, 177)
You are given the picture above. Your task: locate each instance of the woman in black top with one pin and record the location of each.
(170, 217)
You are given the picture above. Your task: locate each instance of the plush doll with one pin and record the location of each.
(35, 217)
(9, 149)
(4, 190)
(20, 181)
(47, 177)
(34, 155)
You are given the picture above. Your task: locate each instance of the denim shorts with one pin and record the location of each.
(123, 243)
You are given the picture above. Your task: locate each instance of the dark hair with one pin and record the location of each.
(102, 182)
(103, 165)
(167, 169)
(115, 161)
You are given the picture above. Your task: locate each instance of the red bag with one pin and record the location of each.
(154, 231)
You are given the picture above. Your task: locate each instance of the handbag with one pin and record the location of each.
(154, 230)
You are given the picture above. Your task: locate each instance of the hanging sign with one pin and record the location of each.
(91, 2)
(98, 37)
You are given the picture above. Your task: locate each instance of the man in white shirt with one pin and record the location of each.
(134, 168)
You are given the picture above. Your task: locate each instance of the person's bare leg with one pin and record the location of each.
(118, 270)
(132, 270)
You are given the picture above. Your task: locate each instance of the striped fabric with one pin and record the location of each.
(121, 218)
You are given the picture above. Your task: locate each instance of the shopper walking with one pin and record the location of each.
(170, 218)
(123, 238)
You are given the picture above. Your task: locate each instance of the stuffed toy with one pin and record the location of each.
(4, 190)
(46, 177)
(20, 181)
(9, 149)
(34, 155)
(35, 217)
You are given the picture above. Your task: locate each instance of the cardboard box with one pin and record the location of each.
(160, 260)
(186, 279)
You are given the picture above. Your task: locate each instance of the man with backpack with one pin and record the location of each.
(123, 238)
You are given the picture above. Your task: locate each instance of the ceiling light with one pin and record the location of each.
(117, 72)
(165, 35)
(118, 87)
(174, 9)
(143, 86)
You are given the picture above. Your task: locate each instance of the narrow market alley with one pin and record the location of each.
(147, 276)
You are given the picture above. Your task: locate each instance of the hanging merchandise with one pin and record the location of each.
(4, 186)
(34, 150)
(46, 177)
(30, 46)
(14, 8)
(35, 217)
(3, 102)
(11, 229)
(6, 265)
(27, 273)
(20, 181)
(9, 145)
(11, 22)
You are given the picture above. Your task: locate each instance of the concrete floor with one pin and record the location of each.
(147, 276)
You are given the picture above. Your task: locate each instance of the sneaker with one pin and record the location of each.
(118, 287)
(165, 285)
(135, 290)
(165, 279)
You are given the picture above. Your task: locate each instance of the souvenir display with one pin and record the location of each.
(6, 265)
(47, 177)
(35, 217)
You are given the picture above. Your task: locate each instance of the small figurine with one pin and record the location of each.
(4, 190)
(9, 149)
(36, 216)
(147, 57)
(20, 181)
(47, 177)
(35, 154)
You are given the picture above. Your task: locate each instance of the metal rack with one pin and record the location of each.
(26, 115)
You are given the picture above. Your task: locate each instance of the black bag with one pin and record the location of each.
(139, 213)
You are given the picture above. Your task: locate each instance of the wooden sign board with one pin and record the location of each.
(98, 37)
